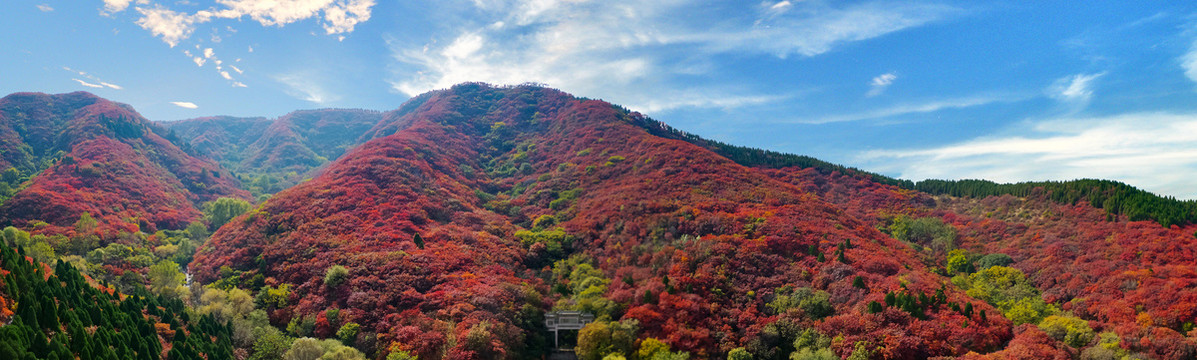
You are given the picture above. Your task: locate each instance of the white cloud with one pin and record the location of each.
(1076, 88)
(171, 26)
(304, 86)
(85, 75)
(1154, 151)
(336, 16)
(225, 75)
(880, 83)
(199, 61)
(1188, 62)
(45, 8)
(114, 6)
(775, 9)
(238, 70)
(238, 84)
(818, 29)
(208, 53)
(341, 18)
(912, 108)
(622, 49)
(700, 98)
(184, 104)
(87, 84)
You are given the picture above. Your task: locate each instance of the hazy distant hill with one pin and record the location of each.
(271, 155)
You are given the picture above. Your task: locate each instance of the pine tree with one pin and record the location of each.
(419, 241)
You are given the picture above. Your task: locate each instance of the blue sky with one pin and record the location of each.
(1007, 91)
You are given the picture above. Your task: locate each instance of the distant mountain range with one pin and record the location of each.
(448, 227)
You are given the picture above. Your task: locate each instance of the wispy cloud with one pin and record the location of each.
(593, 47)
(1188, 62)
(304, 86)
(87, 84)
(913, 108)
(85, 75)
(1075, 88)
(704, 98)
(880, 83)
(45, 7)
(1155, 151)
(184, 104)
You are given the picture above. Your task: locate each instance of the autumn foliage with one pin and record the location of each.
(448, 227)
(102, 158)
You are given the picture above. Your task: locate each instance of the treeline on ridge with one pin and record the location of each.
(753, 157)
(1115, 197)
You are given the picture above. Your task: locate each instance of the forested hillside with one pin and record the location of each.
(75, 153)
(451, 237)
(271, 155)
(448, 227)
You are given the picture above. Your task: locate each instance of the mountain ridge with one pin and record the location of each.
(468, 212)
(102, 148)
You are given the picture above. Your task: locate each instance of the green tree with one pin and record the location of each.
(41, 251)
(419, 240)
(197, 232)
(401, 355)
(601, 338)
(304, 349)
(270, 344)
(1071, 330)
(11, 175)
(167, 280)
(348, 332)
(815, 303)
(928, 231)
(861, 352)
(650, 347)
(992, 260)
(958, 262)
(86, 225)
(739, 354)
(335, 275)
(222, 210)
(814, 354)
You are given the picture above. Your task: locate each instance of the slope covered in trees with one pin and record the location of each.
(1115, 197)
(75, 153)
(58, 314)
(453, 235)
(467, 213)
(271, 155)
(1131, 283)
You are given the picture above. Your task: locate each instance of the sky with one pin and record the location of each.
(1001, 90)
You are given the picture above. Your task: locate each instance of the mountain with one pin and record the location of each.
(271, 155)
(76, 153)
(448, 227)
(493, 203)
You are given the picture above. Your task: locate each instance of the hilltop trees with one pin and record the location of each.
(222, 210)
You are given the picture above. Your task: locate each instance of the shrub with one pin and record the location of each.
(335, 275)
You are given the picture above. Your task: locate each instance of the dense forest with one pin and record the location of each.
(1115, 197)
(447, 229)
